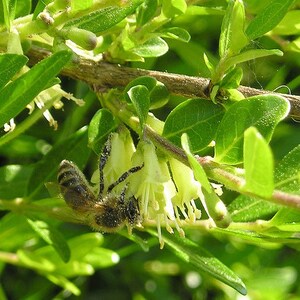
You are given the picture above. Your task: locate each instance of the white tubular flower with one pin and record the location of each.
(51, 97)
(119, 161)
(154, 188)
(11, 126)
(122, 149)
(187, 190)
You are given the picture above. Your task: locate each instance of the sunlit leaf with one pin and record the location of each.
(198, 118)
(153, 47)
(233, 38)
(287, 173)
(140, 98)
(247, 209)
(249, 55)
(103, 19)
(258, 164)
(10, 65)
(268, 18)
(262, 112)
(176, 33)
(16, 95)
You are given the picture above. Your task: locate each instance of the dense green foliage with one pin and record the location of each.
(219, 190)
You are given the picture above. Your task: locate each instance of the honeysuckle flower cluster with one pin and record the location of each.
(52, 96)
(165, 188)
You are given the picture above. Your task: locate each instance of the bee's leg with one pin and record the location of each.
(122, 195)
(123, 177)
(102, 161)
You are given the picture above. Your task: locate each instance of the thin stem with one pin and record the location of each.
(21, 206)
(10, 258)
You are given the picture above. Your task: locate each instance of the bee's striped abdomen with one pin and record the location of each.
(73, 186)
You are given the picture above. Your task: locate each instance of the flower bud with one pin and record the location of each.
(84, 38)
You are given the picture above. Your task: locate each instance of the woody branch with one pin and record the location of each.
(104, 75)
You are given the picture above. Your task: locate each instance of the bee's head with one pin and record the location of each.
(132, 212)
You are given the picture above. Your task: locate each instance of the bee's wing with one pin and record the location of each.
(78, 197)
(74, 187)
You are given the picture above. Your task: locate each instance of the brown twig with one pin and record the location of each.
(104, 75)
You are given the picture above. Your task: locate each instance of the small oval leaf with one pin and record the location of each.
(153, 47)
(102, 124)
(258, 164)
(140, 98)
(262, 112)
(52, 237)
(199, 118)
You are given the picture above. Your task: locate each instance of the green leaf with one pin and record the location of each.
(249, 55)
(35, 262)
(108, 258)
(83, 244)
(199, 172)
(286, 219)
(195, 10)
(4, 9)
(15, 96)
(247, 209)
(140, 98)
(191, 253)
(23, 8)
(64, 283)
(176, 33)
(10, 65)
(233, 38)
(287, 173)
(213, 205)
(16, 226)
(262, 112)
(258, 164)
(154, 47)
(14, 8)
(158, 93)
(101, 125)
(268, 18)
(78, 5)
(52, 237)
(145, 12)
(263, 238)
(103, 19)
(40, 7)
(198, 118)
(294, 45)
(232, 79)
(14, 180)
(73, 148)
(172, 8)
(159, 96)
(46, 260)
(289, 25)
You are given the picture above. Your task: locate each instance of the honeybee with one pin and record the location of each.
(106, 212)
